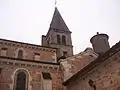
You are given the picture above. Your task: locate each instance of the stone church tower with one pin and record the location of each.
(58, 36)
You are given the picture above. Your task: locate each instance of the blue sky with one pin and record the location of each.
(27, 20)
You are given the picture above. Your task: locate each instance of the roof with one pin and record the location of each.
(58, 22)
(102, 35)
(95, 63)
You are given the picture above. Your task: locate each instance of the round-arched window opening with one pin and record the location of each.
(21, 81)
(20, 54)
(58, 39)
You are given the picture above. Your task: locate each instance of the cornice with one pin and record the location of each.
(26, 45)
(30, 64)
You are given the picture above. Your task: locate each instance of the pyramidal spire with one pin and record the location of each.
(58, 22)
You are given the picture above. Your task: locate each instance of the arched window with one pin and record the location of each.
(20, 81)
(20, 54)
(58, 39)
(63, 40)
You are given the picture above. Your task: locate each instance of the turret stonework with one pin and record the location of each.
(100, 43)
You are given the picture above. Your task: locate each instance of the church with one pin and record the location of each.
(53, 66)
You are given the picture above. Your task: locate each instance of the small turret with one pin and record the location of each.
(100, 43)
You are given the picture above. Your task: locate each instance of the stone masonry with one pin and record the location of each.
(10, 67)
(72, 65)
(105, 76)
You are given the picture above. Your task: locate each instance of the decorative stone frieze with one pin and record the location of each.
(29, 64)
(25, 45)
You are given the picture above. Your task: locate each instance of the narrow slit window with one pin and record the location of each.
(0, 70)
(63, 40)
(20, 54)
(58, 39)
(65, 53)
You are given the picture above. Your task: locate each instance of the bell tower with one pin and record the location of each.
(58, 36)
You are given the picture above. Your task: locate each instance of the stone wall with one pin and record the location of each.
(106, 76)
(34, 70)
(51, 38)
(72, 65)
(46, 54)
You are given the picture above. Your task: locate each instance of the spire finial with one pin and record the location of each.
(55, 3)
(97, 33)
